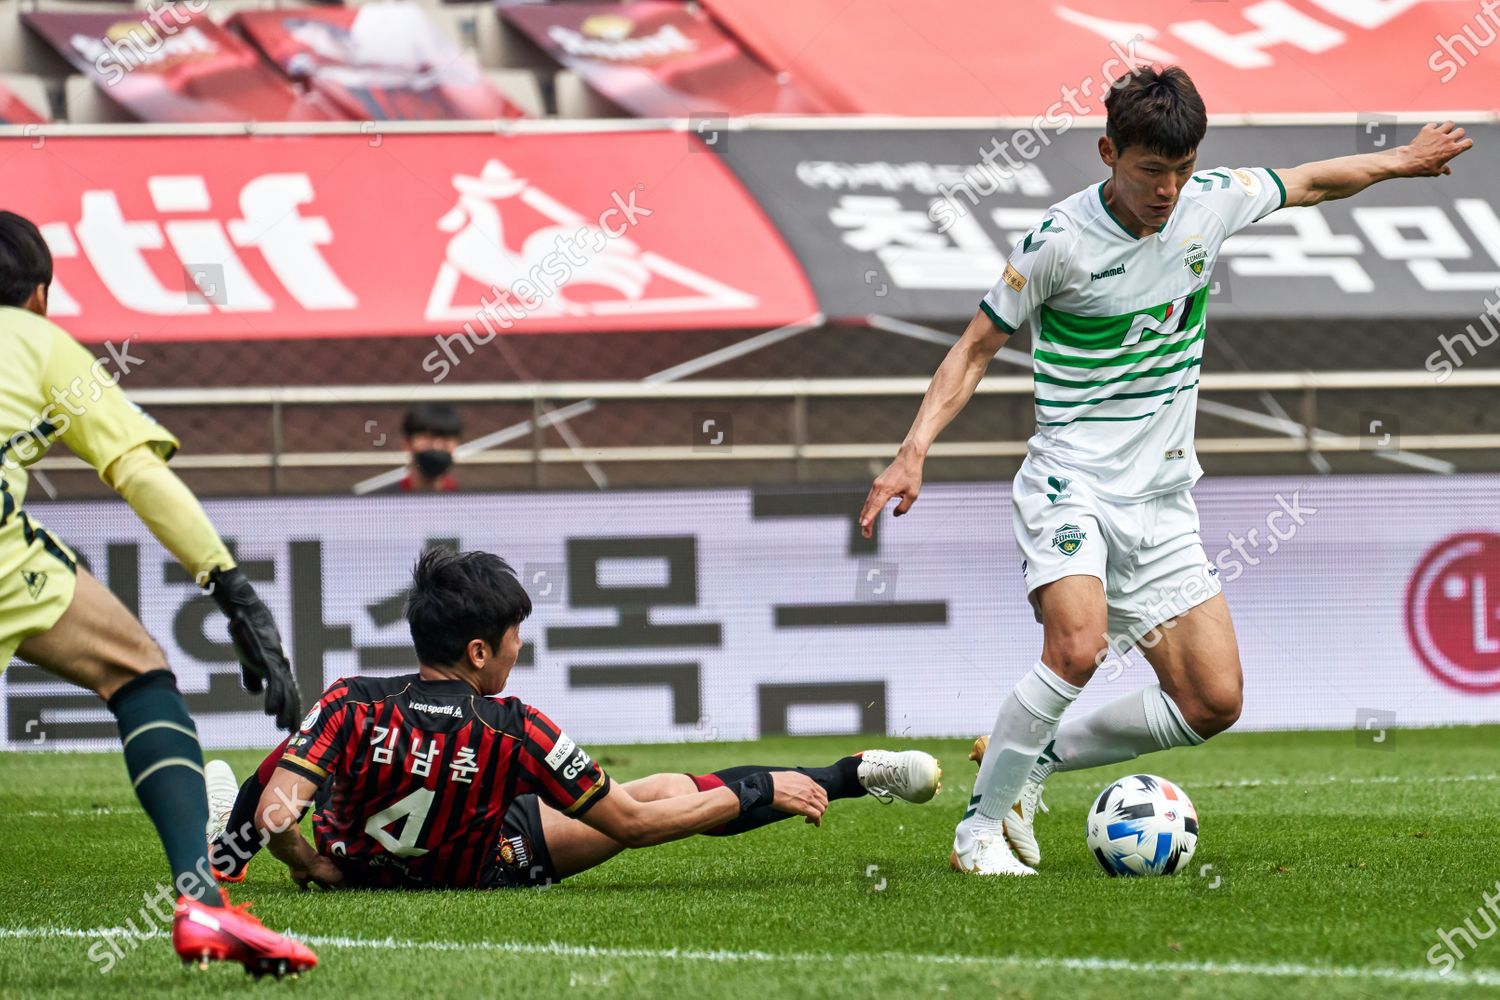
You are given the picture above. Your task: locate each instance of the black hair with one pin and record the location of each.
(1157, 109)
(432, 418)
(25, 261)
(457, 597)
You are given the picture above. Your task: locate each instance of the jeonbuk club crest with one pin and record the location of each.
(1068, 539)
(1194, 257)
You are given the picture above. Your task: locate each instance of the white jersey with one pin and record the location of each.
(1117, 326)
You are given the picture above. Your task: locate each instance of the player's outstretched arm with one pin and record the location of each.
(951, 389)
(629, 821)
(1427, 155)
(174, 515)
(279, 818)
(129, 450)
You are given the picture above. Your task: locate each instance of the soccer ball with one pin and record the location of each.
(1142, 825)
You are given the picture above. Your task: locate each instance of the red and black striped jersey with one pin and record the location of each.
(422, 772)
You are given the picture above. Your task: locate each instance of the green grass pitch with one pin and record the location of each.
(1334, 866)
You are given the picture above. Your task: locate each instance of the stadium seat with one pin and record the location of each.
(521, 88)
(223, 10)
(478, 28)
(21, 51)
(30, 90)
(576, 99)
(87, 104)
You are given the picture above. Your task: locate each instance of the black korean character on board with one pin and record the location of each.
(633, 601)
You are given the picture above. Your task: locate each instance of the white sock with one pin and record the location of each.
(1025, 725)
(1143, 721)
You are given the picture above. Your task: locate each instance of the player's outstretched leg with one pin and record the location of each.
(574, 846)
(97, 644)
(909, 774)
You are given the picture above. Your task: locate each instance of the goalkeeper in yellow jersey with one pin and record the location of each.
(57, 616)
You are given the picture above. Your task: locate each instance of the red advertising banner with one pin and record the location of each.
(170, 64)
(14, 111)
(957, 57)
(241, 237)
(659, 59)
(377, 62)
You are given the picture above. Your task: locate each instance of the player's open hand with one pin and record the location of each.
(1428, 154)
(902, 478)
(794, 792)
(257, 644)
(319, 872)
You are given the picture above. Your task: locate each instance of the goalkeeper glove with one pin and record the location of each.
(257, 643)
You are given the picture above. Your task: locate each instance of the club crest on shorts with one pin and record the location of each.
(1068, 539)
(1194, 257)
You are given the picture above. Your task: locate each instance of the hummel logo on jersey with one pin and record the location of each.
(34, 583)
(1068, 539)
(1059, 489)
(1096, 275)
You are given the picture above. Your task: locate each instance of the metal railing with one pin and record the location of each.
(554, 403)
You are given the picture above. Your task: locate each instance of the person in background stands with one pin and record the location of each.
(430, 432)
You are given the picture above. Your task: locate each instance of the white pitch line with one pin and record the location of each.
(1334, 779)
(1218, 783)
(1090, 963)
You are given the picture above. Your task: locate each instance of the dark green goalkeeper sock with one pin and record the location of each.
(165, 764)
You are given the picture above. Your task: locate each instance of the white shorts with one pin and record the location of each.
(1147, 554)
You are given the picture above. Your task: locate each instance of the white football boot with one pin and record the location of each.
(223, 788)
(984, 853)
(1020, 823)
(903, 774)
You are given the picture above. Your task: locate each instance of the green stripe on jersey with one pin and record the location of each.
(1099, 333)
(1073, 383)
(1108, 399)
(1139, 416)
(1080, 361)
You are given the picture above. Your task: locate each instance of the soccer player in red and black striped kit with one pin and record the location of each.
(430, 781)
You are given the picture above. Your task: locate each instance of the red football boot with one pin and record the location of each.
(204, 934)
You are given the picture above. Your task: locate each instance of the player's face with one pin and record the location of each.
(1147, 184)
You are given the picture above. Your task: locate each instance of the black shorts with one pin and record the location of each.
(521, 858)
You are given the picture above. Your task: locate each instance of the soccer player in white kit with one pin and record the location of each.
(1114, 282)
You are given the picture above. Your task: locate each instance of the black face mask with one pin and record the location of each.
(433, 462)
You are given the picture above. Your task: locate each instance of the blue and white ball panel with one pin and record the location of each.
(1142, 825)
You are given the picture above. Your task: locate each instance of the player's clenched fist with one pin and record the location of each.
(257, 644)
(902, 478)
(796, 793)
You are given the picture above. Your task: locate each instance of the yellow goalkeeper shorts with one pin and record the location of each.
(37, 577)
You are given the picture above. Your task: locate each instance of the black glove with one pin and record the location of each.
(257, 643)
